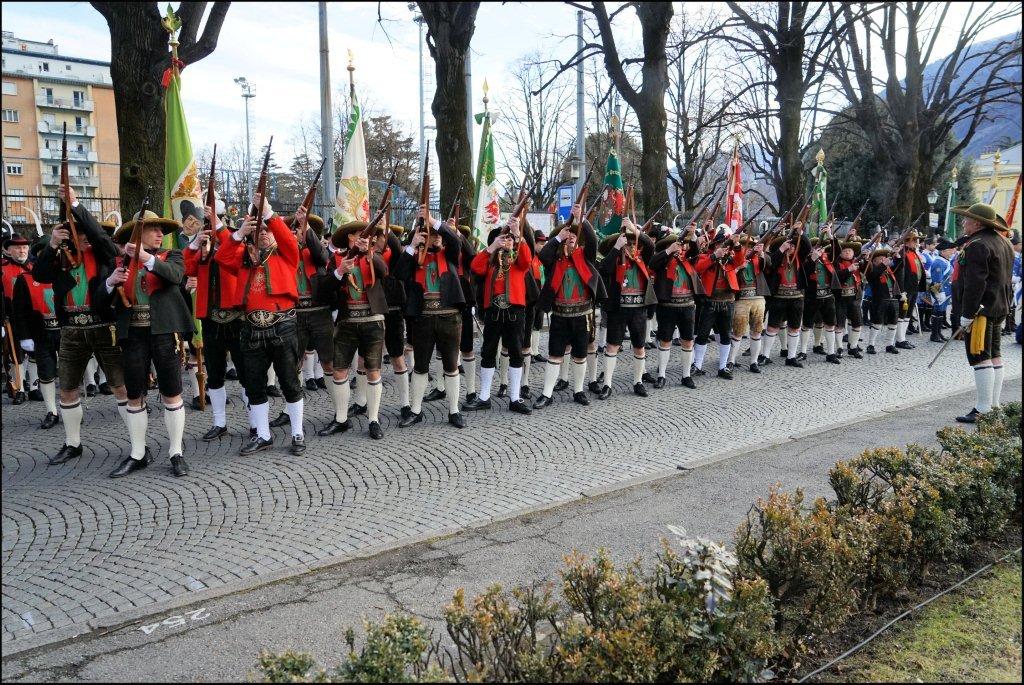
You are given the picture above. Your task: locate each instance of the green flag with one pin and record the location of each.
(487, 214)
(615, 203)
(950, 227)
(819, 203)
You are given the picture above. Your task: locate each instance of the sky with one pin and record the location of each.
(283, 65)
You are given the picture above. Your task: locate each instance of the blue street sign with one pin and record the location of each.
(566, 199)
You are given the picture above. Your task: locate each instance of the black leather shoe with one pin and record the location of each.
(639, 390)
(676, 342)
(832, 359)
(855, 354)
(376, 432)
(561, 385)
(688, 382)
(502, 390)
(334, 427)
(434, 395)
(279, 421)
(764, 361)
(357, 409)
(524, 392)
(105, 389)
(256, 444)
(457, 420)
(273, 391)
(648, 378)
(818, 349)
(694, 371)
(905, 345)
(541, 402)
(231, 374)
(215, 433)
(195, 403)
(937, 336)
(90, 390)
(912, 329)
(320, 383)
(871, 349)
(130, 465)
(66, 453)
(725, 373)
(35, 395)
(745, 353)
(298, 445)
(801, 356)
(311, 385)
(179, 467)
(593, 387)
(540, 359)
(476, 404)
(795, 363)
(581, 398)
(969, 417)
(411, 419)
(519, 407)
(470, 396)
(730, 366)
(605, 393)
(783, 354)
(892, 349)
(405, 412)
(659, 382)
(252, 433)
(839, 352)
(754, 368)
(49, 421)
(649, 345)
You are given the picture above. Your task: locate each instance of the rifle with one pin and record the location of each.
(714, 212)
(906, 234)
(256, 211)
(131, 264)
(211, 202)
(457, 206)
(69, 248)
(383, 210)
(307, 201)
(13, 388)
(422, 225)
(504, 256)
(855, 226)
(597, 206)
(576, 223)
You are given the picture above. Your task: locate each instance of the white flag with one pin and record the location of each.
(353, 198)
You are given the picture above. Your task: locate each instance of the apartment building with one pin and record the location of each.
(42, 91)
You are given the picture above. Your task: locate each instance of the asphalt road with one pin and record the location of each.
(220, 639)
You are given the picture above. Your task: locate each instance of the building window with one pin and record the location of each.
(78, 96)
(54, 170)
(11, 115)
(14, 169)
(67, 67)
(45, 66)
(15, 192)
(13, 142)
(83, 172)
(10, 88)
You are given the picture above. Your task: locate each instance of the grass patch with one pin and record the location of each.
(970, 635)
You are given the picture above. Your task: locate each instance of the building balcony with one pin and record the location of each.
(79, 181)
(58, 129)
(88, 156)
(64, 103)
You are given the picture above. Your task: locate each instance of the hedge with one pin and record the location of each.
(701, 612)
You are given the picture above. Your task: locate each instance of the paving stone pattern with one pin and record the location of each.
(79, 546)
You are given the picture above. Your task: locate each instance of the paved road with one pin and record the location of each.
(82, 552)
(218, 640)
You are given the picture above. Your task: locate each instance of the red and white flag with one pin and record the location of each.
(734, 196)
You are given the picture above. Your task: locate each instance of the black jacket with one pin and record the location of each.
(662, 284)
(394, 288)
(168, 311)
(775, 258)
(909, 281)
(613, 288)
(452, 294)
(47, 268)
(985, 268)
(330, 290)
(549, 256)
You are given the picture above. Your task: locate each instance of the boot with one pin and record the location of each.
(936, 329)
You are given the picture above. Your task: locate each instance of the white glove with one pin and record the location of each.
(28, 345)
(965, 322)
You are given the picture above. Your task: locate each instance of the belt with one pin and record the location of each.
(847, 292)
(361, 313)
(84, 319)
(223, 315)
(721, 296)
(684, 301)
(787, 292)
(141, 316)
(51, 323)
(312, 308)
(631, 300)
(824, 293)
(748, 293)
(573, 310)
(500, 301)
(261, 318)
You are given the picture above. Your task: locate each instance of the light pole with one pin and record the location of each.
(326, 132)
(418, 18)
(247, 95)
(933, 218)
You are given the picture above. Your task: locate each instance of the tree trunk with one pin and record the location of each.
(450, 27)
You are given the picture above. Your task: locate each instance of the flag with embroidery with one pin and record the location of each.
(734, 198)
(353, 197)
(610, 220)
(950, 227)
(819, 203)
(487, 214)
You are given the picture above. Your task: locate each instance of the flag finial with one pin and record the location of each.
(351, 66)
(953, 173)
(486, 89)
(820, 157)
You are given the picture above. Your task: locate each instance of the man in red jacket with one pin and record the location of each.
(717, 271)
(503, 267)
(266, 291)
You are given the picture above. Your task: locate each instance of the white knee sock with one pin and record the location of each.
(854, 338)
(639, 366)
(734, 349)
(33, 374)
(819, 333)
(784, 341)
(805, 338)
(755, 350)
(768, 346)
(219, 401)
(687, 362)
(193, 382)
(260, 415)
(830, 342)
(503, 369)
(563, 369)
(647, 330)
(318, 368)
(602, 336)
(271, 378)
(892, 336)
(122, 411)
(374, 390)
(515, 382)
(486, 378)
(339, 396)
(534, 342)
(437, 374)
(723, 355)
(551, 373)
(359, 397)
(138, 422)
(901, 329)
(997, 386)
(579, 375)
(792, 344)
(526, 369)
(983, 378)
(71, 416)
(49, 392)
(174, 421)
(452, 390)
(402, 381)
(610, 360)
(419, 388)
(698, 355)
(307, 367)
(102, 376)
(90, 371)
(872, 335)
(592, 366)
(294, 410)
(663, 357)
(470, 366)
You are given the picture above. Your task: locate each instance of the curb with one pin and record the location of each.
(102, 626)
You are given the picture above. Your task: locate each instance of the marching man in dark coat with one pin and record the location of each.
(981, 286)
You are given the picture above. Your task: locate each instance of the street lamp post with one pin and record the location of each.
(418, 18)
(933, 219)
(247, 95)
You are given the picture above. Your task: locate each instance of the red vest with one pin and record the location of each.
(273, 285)
(706, 268)
(516, 282)
(225, 278)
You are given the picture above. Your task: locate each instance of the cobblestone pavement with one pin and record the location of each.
(82, 551)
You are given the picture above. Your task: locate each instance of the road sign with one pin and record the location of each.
(933, 219)
(566, 199)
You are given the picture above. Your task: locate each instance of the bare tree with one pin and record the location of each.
(138, 58)
(908, 128)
